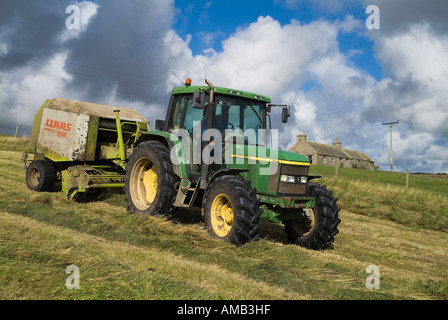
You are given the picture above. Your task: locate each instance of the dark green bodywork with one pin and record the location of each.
(220, 90)
(249, 161)
(259, 165)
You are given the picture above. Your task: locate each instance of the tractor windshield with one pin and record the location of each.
(240, 115)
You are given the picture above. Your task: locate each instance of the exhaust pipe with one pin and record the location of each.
(212, 90)
(210, 112)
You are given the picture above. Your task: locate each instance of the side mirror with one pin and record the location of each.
(285, 115)
(198, 100)
(159, 125)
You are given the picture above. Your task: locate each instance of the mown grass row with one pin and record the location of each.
(431, 183)
(123, 256)
(384, 195)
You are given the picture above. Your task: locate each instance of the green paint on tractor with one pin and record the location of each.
(213, 151)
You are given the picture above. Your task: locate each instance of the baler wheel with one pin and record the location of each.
(41, 176)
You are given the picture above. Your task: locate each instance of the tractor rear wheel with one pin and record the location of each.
(321, 227)
(150, 182)
(41, 176)
(231, 210)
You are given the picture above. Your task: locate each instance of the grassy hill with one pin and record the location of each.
(383, 195)
(123, 256)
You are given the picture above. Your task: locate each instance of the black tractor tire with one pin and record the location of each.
(237, 195)
(41, 176)
(322, 227)
(150, 161)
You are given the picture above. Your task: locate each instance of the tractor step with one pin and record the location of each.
(187, 193)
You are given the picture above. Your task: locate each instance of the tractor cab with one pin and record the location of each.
(234, 117)
(231, 110)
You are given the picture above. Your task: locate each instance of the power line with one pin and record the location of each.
(390, 124)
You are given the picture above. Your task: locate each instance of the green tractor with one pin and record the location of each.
(211, 152)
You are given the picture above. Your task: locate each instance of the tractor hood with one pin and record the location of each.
(263, 154)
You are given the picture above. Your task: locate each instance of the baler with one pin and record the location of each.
(83, 145)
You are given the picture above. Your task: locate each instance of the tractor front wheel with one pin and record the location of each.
(231, 210)
(321, 225)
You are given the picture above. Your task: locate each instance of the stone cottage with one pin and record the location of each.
(333, 155)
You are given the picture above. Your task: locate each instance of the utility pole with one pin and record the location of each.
(390, 124)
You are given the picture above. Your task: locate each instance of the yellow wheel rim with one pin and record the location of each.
(221, 215)
(150, 182)
(143, 184)
(304, 229)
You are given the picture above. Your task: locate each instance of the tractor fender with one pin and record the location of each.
(225, 172)
(153, 136)
(165, 139)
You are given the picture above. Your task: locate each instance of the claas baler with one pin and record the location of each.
(83, 145)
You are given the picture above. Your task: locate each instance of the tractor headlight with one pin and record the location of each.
(293, 179)
(288, 179)
(303, 180)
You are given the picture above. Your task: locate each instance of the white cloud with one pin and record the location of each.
(303, 120)
(418, 51)
(269, 58)
(209, 38)
(340, 81)
(28, 89)
(277, 60)
(297, 63)
(417, 61)
(414, 152)
(265, 57)
(3, 49)
(88, 10)
(350, 24)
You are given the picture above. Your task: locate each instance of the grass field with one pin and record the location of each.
(123, 256)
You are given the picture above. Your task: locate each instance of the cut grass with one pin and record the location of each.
(416, 181)
(123, 256)
(377, 194)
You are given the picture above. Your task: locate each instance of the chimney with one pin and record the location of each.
(337, 144)
(301, 138)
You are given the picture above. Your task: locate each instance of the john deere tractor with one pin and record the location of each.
(212, 152)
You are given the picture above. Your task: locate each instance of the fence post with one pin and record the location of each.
(17, 131)
(407, 180)
(336, 169)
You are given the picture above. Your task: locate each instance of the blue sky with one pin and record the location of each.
(341, 79)
(220, 19)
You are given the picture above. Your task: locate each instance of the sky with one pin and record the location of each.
(342, 71)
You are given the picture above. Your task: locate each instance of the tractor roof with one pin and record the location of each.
(220, 90)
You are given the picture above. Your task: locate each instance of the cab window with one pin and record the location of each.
(184, 114)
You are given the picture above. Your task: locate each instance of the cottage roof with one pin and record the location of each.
(309, 148)
(329, 151)
(367, 158)
(355, 155)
